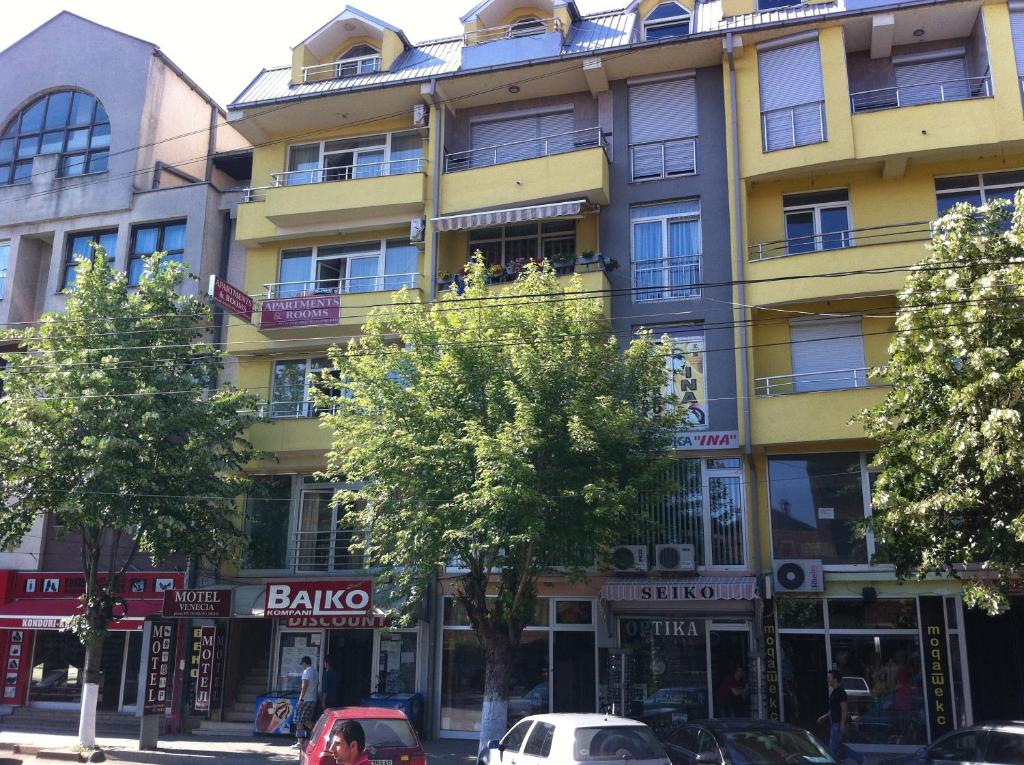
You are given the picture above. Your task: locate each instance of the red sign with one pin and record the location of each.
(188, 604)
(338, 622)
(344, 597)
(64, 584)
(232, 298)
(300, 311)
(202, 657)
(159, 660)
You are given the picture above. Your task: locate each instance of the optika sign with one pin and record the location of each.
(338, 598)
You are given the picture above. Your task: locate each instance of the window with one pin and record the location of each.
(960, 747)
(1005, 748)
(667, 20)
(826, 355)
(82, 246)
(817, 221)
(514, 739)
(504, 245)
(941, 78)
(527, 27)
(290, 390)
(5, 251)
(792, 95)
(158, 237)
(663, 128)
(340, 269)
(978, 189)
(666, 251)
(345, 159)
(267, 514)
(705, 510)
(359, 59)
(817, 502)
(771, 5)
(70, 123)
(539, 742)
(324, 541)
(511, 139)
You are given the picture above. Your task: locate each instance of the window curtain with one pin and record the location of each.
(358, 271)
(406, 154)
(306, 158)
(400, 258)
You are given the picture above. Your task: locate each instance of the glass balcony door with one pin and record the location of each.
(322, 543)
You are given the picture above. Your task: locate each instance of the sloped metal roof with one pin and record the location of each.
(601, 31)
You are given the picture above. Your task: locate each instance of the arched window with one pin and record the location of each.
(527, 27)
(359, 59)
(67, 122)
(667, 20)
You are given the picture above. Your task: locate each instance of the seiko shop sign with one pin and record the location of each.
(347, 597)
(699, 588)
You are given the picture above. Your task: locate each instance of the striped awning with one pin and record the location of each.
(509, 215)
(696, 589)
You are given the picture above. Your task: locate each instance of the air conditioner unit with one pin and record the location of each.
(629, 558)
(674, 558)
(799, 576)
(417, 226)
(420, 115)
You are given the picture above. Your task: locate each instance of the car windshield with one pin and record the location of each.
(774, 746)
(382, 733)
(617, 742)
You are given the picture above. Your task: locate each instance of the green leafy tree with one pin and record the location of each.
(951, 492)
(503, 433)
(108, 422)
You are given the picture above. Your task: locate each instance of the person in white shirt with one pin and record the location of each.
(308, 695)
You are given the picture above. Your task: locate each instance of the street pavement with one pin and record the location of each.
(199, 750)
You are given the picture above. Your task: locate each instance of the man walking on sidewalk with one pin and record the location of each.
(308, 696)
(838, 715)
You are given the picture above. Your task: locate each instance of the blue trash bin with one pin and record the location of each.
(410, 703)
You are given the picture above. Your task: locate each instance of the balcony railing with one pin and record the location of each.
(516, 151)
(287, 410)
(336, 69)
(791, 126)
(808, 382)
(895, 233)
(525, 28)
(925, 93)
(348, 172)
(667, 278)
(255, 193)
(663, 159)
(346, 286)
(326, 551)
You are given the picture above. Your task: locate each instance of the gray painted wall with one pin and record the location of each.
(714, 308)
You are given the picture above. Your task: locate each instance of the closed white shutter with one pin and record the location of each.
(557, 129)
(791, 95)
(522, 133)
(1017, 31)
(927, 82)
(658, 113)
(827, 354)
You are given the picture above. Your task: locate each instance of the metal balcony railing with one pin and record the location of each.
(516, 151)
(255, 193)
(522, 28)
(924, 93)
(896, 233)
(348, 172)
(337, 69)
(348, 285)
(808, 382)
(326, 551)
(667, 278)
(791, 126)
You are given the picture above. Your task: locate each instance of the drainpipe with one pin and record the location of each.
(743, 389)
(211, 144)
(435, 205)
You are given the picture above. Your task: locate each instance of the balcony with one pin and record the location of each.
(809, 382)
(525, 40)
(292, 434)
(322, 196)
(334, 70)
(325, 551)
(915, 95)
(814, 417)
(554, 167)
(677, 278)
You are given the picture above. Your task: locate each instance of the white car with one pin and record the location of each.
(575, 739)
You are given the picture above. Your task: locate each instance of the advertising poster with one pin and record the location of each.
(688, 380)
(275, 715)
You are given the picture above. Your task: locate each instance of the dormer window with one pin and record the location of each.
(359, 59)
(667, 20)
(527, 27)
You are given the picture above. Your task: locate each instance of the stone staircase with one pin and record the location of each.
(65, 721)
(237, 719)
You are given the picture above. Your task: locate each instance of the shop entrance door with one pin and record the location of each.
(730, 673)
(352, 654)
(574, 676)
(130, 672)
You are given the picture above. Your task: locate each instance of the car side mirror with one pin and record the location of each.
(708, 758)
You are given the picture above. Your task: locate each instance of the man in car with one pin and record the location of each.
(349, 743)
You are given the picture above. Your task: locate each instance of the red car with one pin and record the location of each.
(390, 737)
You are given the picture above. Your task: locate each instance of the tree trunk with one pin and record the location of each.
(497, 666)
(90, 694)
(92, 639)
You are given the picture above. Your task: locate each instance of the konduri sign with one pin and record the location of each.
(344, 597)
(197, 604)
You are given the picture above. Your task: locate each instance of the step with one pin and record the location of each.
(231, 715)
(258, 688)
(220, 728)
(248, 697)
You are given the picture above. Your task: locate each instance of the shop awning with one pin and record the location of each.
(696, 589)
(509, 215)
(53, 613)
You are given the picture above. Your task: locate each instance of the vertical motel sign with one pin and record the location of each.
(158, 668)
(203, 640)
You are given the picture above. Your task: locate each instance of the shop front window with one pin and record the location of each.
(57, 668)
(396, 664)
(267, 513)
(292, 648)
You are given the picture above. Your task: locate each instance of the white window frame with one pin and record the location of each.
(379, 252)
(670, 21)
(816, 209)
(665, 220)
(344, 62)
(304, 409)
(5, 257)
(385, 144)
(980, 186)
(541, 237)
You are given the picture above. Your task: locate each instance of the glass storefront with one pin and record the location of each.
(58, 670)
(876, 645)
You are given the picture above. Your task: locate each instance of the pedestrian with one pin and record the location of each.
(304, 715)
(349, 743)
(837, 716)
(330, 695)
(732, 695)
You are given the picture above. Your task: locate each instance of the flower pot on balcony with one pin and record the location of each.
(588, 261)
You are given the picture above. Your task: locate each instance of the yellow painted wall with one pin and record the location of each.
(301, 56)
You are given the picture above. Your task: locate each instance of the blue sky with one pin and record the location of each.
(222, 44)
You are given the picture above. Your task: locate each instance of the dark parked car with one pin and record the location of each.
(743, 742)
(1000, 743)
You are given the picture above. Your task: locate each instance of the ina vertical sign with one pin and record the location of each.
(937, 689)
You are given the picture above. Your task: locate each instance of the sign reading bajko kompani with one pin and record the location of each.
(341, 597)
(197, 604)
